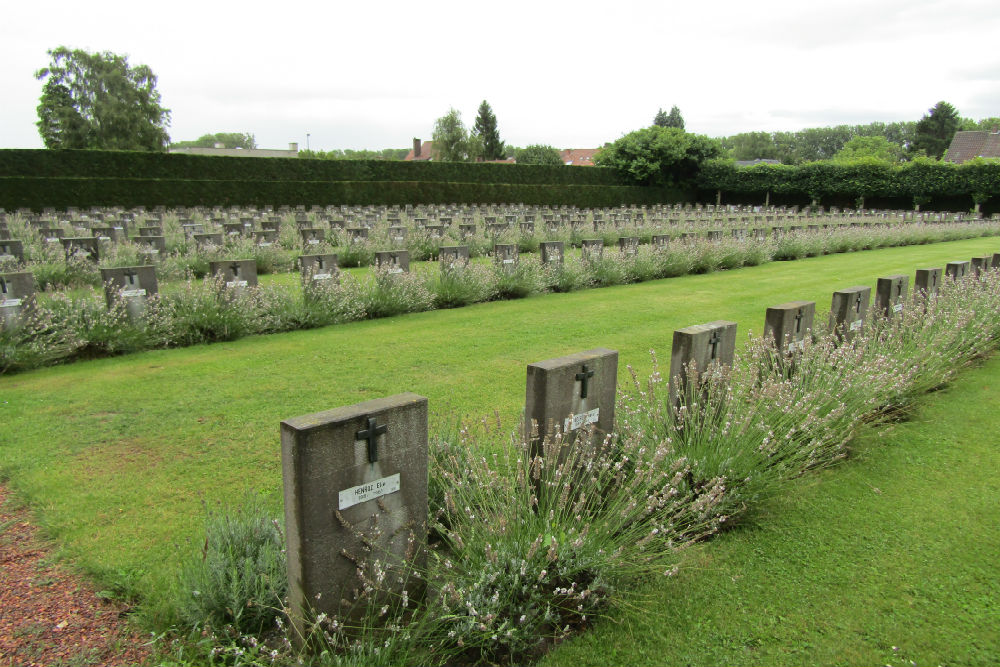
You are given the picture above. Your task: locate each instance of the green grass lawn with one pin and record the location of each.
(896, 548)
(116, 455)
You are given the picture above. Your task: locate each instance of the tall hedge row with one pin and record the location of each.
(130, 164)
(36, 193)
(916, 182)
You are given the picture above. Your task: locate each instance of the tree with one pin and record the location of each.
(538, 154)
(660, 119)
(674, 119)
(451, 141)
(659, 155)
(876, 147)
(485, 128)
(936, 129)
(227, 139)
(96, 100)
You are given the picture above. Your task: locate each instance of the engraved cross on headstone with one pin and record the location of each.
(798, 321)
(857, 303)
(583, 377)
(235, 266)
(371, 434)
(319, 262)
(130, 274)
(714, 341)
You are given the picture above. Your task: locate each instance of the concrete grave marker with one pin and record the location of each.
(890, 295)
(81, 245)
(848, 311)
(453, 257)
(312, 236)
(927, 283)
(591, 250)
(628, 246)
(132, 284)
(357, 234)
(568, 393)
(957, 270)
(553, 252)
(11, 250)
(265, 238)
(318, 267)
(237, 274)
(703, 347)
(393, 261)
(505, 256)
(344, 470)
(17, 293)
(980, 265)
(208, 241)
(789, 324)
(661, 241)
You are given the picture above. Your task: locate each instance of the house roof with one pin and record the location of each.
(426, 153)
(580, 157)
(968, 145)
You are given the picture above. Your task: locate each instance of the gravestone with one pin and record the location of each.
(553, 253)
(51, 234)
(81, 245)
(393, 261)
(957, 270)
(453, 257)
(270, 225)
(661, 241)
(357, 234)
(397, 234)
(191, 228)
(760, 234)
(17, 293)
(926, 283)
(11, 250)
(132, 284)
(343, 470)
(312, 236)
(234, 228)
(265, 238)
(434, 231)
(996, 260)
(980, 265)
(318, 267)
(527, 228)
(849, 310)
(700, 348)
(236, 274)
(111, 234)
(154, 247)
(505, 256)
(208, 241)
(890, 295)
(591, 250)
(628, 246)
(566, 394)
(789, 324)
(714, 235)
(467, 230)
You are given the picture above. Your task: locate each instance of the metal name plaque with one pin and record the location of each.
(133, 292)
(370, 491)
(581, 420)
(856, 325)
(897, 308)
(237, 283)
(10, 303)
(322, 276)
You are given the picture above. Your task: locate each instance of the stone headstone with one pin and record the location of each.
(453, 257)
(890, 295)
(393, 261)
(318, 267)
(86, 246)
(927, 283)
(591, 250)
(154, 247)
(789, 324)
(505, 256)
(17, 293)
(980, 265)
(566, 394)
(357, 234)
(628, 245)
(11, 250)
(236, 274)
(849, 310)
(957, 270)
(265, 238)
(207, 241)
(661, 241)
(467, 230)
(132, 284)
(344, 470)
(312, 236)
(700, 347)
(553, 253)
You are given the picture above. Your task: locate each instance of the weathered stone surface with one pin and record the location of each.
(789, 324)
(890, 295)
(393, 261)
(319, 267)
(17, 295)
(701, 346)
(927, 282)
(236, 273)
(849, 310)
(353, 474)
(553, 252)
(568, 393)
(453, 257)
(132, 284)
(957, 270)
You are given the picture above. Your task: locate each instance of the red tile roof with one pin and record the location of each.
(580, 157)
(427, 152)
(968, 145)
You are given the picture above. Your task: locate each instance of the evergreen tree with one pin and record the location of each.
(675, 119)
(661, 119)
(485, 128)
(936, 130)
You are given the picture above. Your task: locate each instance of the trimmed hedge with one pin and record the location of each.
(36, 193)
(918, 182)
(144, 165)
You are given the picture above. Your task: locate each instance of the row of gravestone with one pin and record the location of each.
(350, 468)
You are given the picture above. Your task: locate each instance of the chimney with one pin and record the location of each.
(293, 146)
(416, 148)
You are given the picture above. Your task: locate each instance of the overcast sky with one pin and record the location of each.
(570, 74)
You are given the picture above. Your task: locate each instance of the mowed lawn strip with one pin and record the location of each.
(116, 455)
(889, 558)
